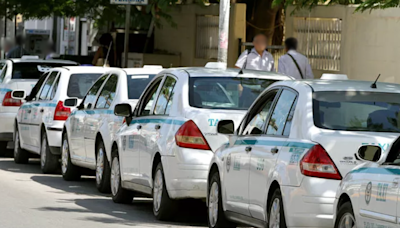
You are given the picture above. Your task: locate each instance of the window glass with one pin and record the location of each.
(357, 111)
(35, 90)
(33, 70)
(148, 102)
(47, 85)
(107, 94)
(258, 118)
(279, 116)
(137, 84)
(288, 125)
(54, 89)
(92, 93)
(225, 92)
(3, 73)
(79, 84)
(165, 98)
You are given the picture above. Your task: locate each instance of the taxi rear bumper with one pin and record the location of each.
(186, 173)
(310, 204)
(7, 126)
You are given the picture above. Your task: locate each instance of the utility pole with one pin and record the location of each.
(127, 31)
(224, 10)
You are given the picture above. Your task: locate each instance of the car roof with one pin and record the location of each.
(82, 69)
(130, 71)
(350, 85)
(42, 61)
(229, 72)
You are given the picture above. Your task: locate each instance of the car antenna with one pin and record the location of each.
(374, 84)
(108, 53)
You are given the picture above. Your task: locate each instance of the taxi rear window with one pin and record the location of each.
(79, 84)
(137, 83)
(357, 111)
(27, 70)
(225, 92)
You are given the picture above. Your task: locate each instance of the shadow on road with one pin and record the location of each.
(8, 164)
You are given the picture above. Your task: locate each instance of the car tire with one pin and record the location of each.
(215, 212)
(345, 212)
(21, 156)
(69, 171)
(119, 194)
(164, 208)
(48, 161)
(103, 170)
(276, 212)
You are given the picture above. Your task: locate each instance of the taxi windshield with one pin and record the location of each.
(225, 92)
(137, 83)
(357, 111)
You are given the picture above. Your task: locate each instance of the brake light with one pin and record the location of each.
(190, 136)
(317, 163)
(9, 101)
(61, 112)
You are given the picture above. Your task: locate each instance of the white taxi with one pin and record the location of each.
(369, 195)
(88, 132)
(40, 120)
(282, 167)
(165, 148)
(19, 74)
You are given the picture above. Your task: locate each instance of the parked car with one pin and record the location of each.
(88, 132)
(368, 196)
(19, 74)
(165, 147)
(284, 163)
(40, 120)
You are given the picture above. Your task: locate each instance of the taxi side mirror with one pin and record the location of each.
(124, 110)
(370, 153)
(71, 102)
(226, 127)
(18, 94)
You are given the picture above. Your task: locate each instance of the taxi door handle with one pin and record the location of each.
(274, 150)
(139, 127)
(157, 127)
(41, 110)
(248, 149)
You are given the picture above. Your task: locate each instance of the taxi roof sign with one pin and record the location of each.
(26, 57)
(334, 77)
(130, 2)
(216, 65)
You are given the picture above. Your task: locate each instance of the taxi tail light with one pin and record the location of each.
(9, 101)
(317, 163)
(61, 113)
(190, 136)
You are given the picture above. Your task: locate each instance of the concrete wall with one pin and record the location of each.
(182, 39)
(370, 41)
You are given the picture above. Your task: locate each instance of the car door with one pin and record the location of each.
(94, 118)
(134, 137)
(266, 148)
(77, 120)
(39, 108)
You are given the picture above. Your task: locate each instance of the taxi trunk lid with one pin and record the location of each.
(207, 121)
(342, 146)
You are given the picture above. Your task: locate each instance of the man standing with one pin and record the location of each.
(18, 51)
(293, 63)
(258, 58)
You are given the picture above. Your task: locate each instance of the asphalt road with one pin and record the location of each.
(30, 199)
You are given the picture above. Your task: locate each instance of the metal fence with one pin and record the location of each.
(276, 50)
(207, 36)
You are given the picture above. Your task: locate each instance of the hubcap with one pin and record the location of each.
(16, 144)
(115, 176)
(64, 157)
(275, 216)
(213, 204)
(347, 221)
(157, 191)
(43, 152)
(99, 165)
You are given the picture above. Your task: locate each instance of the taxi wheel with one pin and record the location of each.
(21, 156)
(164, 208)
(69, 171)
(103, 171)
(275, 211)
(345, 216)
(216, 215)
(119, 194)
(48, 161)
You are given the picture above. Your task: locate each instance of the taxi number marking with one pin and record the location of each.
(131, 142)
(382, 192)
(374, 225)
(236, 163)
(296, 153)
(260, 164)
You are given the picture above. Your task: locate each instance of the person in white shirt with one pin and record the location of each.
(293, 63)
(258, 58)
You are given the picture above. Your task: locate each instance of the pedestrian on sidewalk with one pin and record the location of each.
(258, 58)
(105, 55)
(51, 51)
(293, 63)
(18, 51)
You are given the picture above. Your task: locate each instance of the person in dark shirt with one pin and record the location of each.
(18, 51)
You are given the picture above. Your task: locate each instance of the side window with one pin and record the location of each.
(3, 73)
(47, 85)
(54, 89)
(288, 125)
(278, 119)
(165, 98)
(35, 90)
(91, 95)
(149, 99)
(107, 94)
(257, 119)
